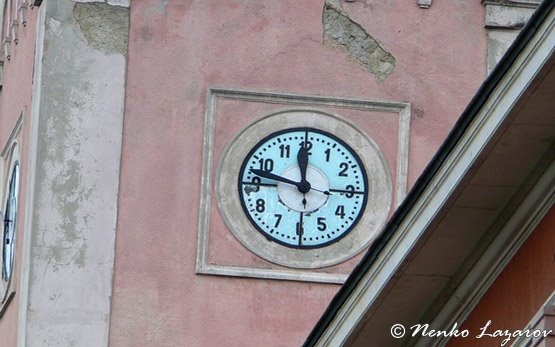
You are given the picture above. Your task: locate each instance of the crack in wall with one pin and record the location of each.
(351, 36)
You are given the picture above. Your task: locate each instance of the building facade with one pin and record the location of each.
(131, 132)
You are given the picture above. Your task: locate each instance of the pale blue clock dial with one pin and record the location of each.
(310, 214)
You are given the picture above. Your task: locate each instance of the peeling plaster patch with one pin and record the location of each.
(105, 27)
(344, 32)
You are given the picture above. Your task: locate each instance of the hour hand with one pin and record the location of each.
(302, 159)
(272, 176)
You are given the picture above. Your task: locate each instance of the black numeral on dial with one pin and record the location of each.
(308, 146)
(260, 205)
(284, 151)
(278, 219)
(322, 223)
(266, 164)
(340, 211)
(344, 167)
(351, 191)
(256, 181)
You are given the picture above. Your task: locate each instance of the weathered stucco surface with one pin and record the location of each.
(77, 173)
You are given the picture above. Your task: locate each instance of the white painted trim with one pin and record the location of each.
(442, 185)
(290, 275)
(14, 134)
(201, 264)
(30, 181)
(403, 109)
(2, 15)
(403, 155)
(513, 3)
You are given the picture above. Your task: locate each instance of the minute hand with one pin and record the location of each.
(271, 176)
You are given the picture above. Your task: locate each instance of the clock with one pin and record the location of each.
(10, 218)
(303, 187)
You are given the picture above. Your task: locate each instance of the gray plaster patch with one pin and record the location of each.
(105, 27)
(351, 36)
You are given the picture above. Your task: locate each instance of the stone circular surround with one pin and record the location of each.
(365, 232)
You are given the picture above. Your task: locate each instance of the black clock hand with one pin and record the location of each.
(302, 160)
(300, 229)
(272, 176)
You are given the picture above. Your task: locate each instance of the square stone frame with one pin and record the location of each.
(403, 111)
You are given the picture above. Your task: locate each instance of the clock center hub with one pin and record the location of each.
(293, 197)
(304, 187)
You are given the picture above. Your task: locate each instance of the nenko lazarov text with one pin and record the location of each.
(485, 332)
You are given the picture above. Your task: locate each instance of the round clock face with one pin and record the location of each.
(10, 216)
(307, 196)
(303, 187)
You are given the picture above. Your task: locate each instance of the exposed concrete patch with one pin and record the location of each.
(351, 36)
(105, 27)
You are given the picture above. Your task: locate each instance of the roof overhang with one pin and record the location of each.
(475, 204)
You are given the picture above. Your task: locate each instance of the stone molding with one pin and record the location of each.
(504, 19)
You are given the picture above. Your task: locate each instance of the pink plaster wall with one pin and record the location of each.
(177, 50)
(15, 97)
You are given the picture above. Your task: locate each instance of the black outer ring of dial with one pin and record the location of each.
(310, 130)
(9, 228)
